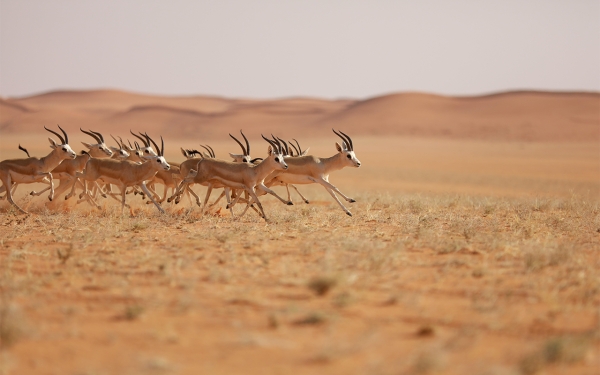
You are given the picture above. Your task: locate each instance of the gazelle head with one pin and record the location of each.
(63, 147)
(276, 153)
(121, 151)
(245, 156)
(147, 149)
(98, 150)
(160, 157)
(347, 150)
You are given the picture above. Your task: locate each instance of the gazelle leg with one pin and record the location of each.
(208, 191)
(145, 189)
(288, 192)
(226, 191)
(8, 185)
(262, 187)
(300, 194)
(219, 198)
(329, 185)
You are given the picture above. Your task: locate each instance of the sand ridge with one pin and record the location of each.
(520, 115)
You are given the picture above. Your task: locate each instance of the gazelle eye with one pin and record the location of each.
(277, 160)
(349, 157)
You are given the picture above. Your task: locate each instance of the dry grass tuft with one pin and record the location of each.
(566, 350)
(322, 285)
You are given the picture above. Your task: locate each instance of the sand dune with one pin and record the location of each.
(523, 116)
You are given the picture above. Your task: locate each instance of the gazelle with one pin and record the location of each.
(121, 152)
(15, 184)
(189, 165)
(33, 169)
(65, 171)
(241, 175)
(311, 169)
(125, 173)
(289, 153)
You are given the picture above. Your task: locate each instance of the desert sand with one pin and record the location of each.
(473, 249)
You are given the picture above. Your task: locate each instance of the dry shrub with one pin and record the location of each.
(322, 285)
(12, 327)
(566, 350)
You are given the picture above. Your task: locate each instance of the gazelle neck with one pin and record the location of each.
(52, 160)
(333, 163)
(265, 167)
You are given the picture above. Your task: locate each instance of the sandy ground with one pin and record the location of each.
(473, 249)
(463, 257)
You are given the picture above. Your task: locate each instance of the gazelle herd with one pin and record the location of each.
(143, 166)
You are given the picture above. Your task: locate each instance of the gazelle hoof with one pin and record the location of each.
(348, 213)
(351, 200)
(290, 203)
(50, 198)
(307, 202)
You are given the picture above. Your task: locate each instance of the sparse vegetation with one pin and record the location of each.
(403, 278)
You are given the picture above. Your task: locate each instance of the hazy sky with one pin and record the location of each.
(280, 48)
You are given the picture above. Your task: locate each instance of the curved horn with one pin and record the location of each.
(118, 144)
(140, 138)
(209, 150)
(279, 148)
(145, 135)
(99, 135)
(65, 133)
(294, 147)
(137, 145)
(24, 150)
(349, 140)
(154, 143)
(343, 139)
(247, 144)
(270, 142)
(162, 146)
(239, 143)
(91, 135)
(287, 150)
(56, 134)
(212, 152)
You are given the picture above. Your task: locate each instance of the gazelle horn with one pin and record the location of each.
(144, 141)
(99, 135)
(56, 134)
(240, 143)
(247, 143)
(91, 134)
(346, 142)
(271, 143)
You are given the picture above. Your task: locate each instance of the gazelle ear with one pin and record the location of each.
(185, 154)
(87, 145)
(339, 148)
(270, 151)
(305, 152)
(52, 143)
(236, 156)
